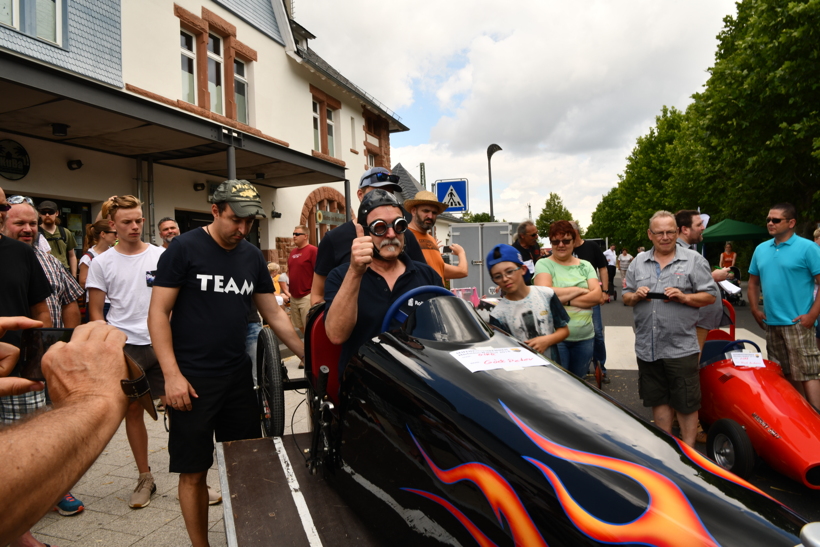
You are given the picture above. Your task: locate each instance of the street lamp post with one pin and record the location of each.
(492, 149)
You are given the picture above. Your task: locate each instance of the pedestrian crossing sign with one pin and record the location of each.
(453, 193)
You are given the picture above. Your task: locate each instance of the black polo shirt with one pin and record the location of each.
(375, 298)
(334, 249)
(528, 253)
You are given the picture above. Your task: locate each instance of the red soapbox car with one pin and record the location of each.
(755, 411)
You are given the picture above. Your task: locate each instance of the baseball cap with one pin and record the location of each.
(503, 253)
(47, 205)
(379, 177)
(241, 196)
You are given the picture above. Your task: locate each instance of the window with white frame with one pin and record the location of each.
(47, 20)
(215, 72)
(44, 18)
(352, 133)
(188, 58)
(371, 160)
(331, 138)
(317, 132)
(240, 84)
(10, 13)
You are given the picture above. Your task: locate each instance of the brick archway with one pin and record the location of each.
(325, 199)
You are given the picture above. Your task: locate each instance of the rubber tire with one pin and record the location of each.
(271, 390)
(728, 445)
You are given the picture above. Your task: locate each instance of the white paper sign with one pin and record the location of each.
(477, 359)
(730, 288)
(748, 360)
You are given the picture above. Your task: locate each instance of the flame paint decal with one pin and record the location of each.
(715, 469)
(479, 536)
(669, 519)
(498, 492)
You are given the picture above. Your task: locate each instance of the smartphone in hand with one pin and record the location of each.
(34, 343)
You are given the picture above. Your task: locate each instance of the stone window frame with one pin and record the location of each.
(232, 48)
(326, 102)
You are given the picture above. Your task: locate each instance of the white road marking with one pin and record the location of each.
(298, 498)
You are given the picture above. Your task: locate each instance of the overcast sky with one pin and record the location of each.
(565, 88)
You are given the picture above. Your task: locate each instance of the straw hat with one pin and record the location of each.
(425, 198)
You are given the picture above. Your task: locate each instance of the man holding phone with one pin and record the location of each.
(666, 342)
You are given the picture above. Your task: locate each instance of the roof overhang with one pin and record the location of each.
(117, 122)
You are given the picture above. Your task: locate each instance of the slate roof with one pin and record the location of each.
(257, 13)
(322, 66)
(91, 43)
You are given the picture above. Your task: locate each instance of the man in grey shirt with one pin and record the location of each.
(666, 342)
(690, 233)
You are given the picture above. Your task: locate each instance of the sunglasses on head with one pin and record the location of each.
(776, 220)
(556, 242)
(16, 200)
(384, 177)
(380, 227)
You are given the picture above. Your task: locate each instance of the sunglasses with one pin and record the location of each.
(380, 227)
(16, 200)
(297, 234)
(4, 207)
(504, 275)
(384, 177)
(557, 242)
(48, 212)
(776, 220)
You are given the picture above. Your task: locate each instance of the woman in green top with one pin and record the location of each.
(575, 282)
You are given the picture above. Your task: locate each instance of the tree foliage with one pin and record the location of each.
(476, 217)
(553, 210)
(749, 140)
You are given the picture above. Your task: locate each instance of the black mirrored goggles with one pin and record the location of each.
(380, 227)
(384, 177)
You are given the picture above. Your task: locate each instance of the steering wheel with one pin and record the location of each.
(399, 310)
(737, 344)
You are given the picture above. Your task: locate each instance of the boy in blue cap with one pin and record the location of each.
(532, 314)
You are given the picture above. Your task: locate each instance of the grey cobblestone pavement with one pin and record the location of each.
(106, 487)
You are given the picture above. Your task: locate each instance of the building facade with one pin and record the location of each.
(166, 99)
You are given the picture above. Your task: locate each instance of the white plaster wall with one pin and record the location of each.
(281, 105)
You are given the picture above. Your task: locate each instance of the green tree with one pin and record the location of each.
(758, 118)
(553, 210)
(476, 217)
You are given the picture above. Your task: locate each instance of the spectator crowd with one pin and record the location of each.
(189, 313)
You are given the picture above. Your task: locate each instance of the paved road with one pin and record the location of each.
(620, 339)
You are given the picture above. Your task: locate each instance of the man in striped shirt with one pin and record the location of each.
(666, 286)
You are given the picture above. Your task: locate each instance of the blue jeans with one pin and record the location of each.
(251, 340)
(575, 356)
(599, 353)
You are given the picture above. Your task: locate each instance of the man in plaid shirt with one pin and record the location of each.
(21, 224)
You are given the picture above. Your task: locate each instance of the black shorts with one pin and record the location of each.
(145, 357)
(673, 382)
(226, 406)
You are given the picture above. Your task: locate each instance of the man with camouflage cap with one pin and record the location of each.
(208, 279)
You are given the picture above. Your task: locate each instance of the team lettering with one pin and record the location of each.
(219, 284)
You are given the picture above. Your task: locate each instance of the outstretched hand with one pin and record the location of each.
(361, 252)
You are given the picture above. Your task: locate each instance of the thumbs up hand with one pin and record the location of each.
(361, 253)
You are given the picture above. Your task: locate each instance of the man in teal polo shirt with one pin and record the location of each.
(788, 266)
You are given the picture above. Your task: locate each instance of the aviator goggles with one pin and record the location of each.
(380, 227)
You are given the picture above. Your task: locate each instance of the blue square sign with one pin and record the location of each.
(453, 193)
